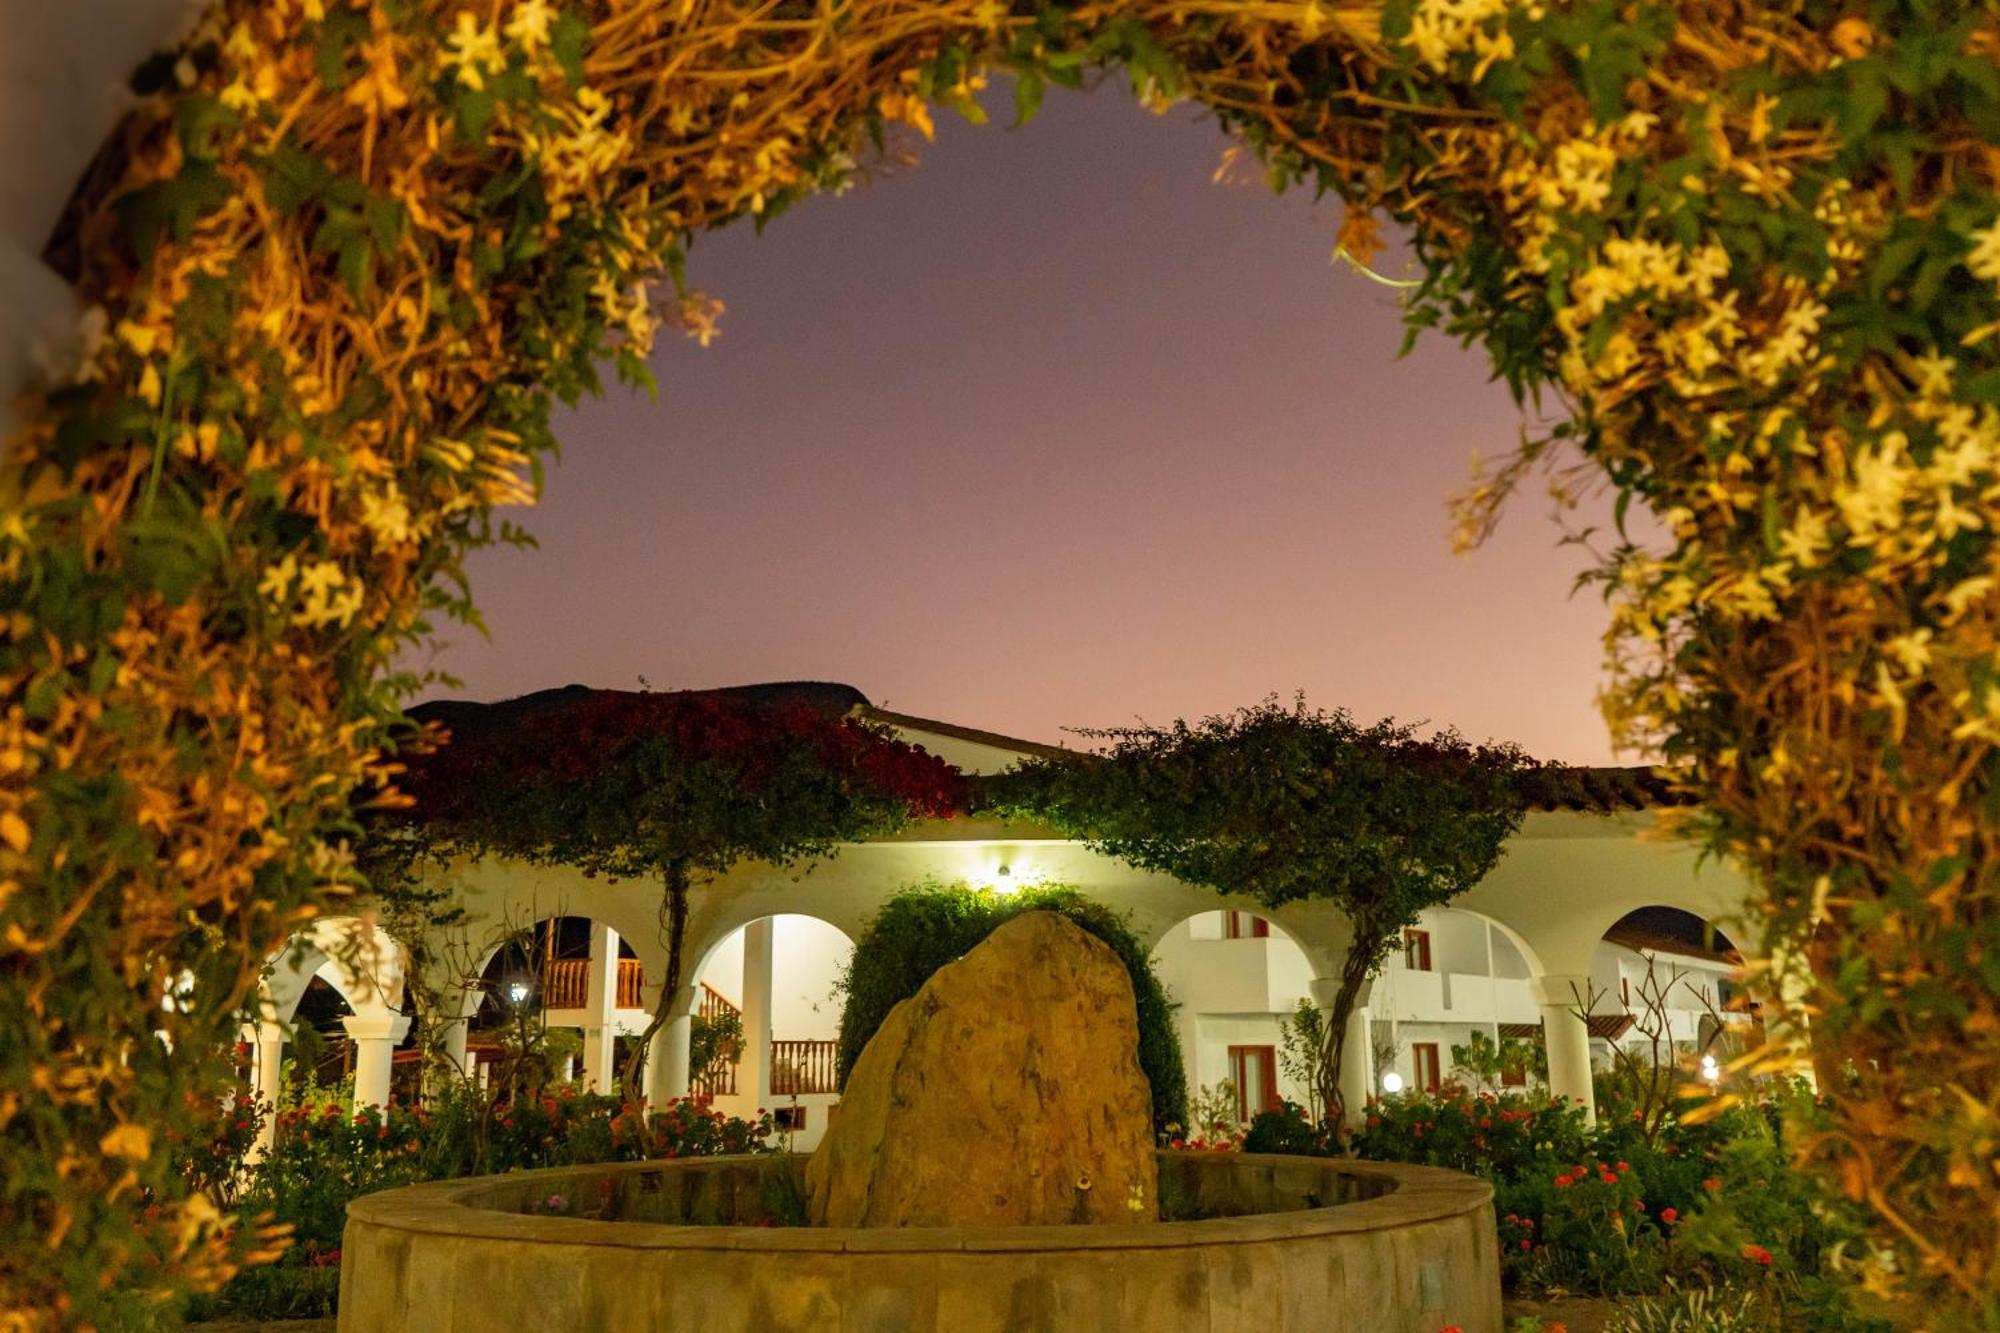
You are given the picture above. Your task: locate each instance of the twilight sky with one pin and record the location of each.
(1049, 431)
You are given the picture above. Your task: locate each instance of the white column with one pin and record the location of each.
(375, 1037)
(1357, 1048)
(600, 1003)
(1492, 985)
(1563, 997)
(753, 1079)
(673, 1053)
(453, 1049)
(269, 1038)
(667, 1057)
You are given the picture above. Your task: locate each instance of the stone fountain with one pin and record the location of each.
(991, 1168)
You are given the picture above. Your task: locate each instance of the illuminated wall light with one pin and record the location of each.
(518, 992)
(1392, 1083)
(1710, 1070)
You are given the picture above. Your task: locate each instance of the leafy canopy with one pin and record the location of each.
(1289, 803)
(673, 785)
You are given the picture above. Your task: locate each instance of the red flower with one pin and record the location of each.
(1670, 1215)
(1621, 1168)
(1757, 1254)
(1712, 1184)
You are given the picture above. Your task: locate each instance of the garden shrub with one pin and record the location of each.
(323, 1158)
(1643, 1200)
(931, 924)
(1285, 1130)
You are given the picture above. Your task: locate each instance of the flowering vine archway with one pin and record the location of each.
(347, 255)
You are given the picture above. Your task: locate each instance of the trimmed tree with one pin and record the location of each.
(673, 789)
(1285, 804)
(931, 924)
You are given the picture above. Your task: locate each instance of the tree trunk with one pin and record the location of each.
(1363, 955)
(676, 910)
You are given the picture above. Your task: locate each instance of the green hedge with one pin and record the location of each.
(923, 928)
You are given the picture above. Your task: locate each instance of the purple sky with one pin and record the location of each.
(1050, 431)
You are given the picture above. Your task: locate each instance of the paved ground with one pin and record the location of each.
(1577, 1314)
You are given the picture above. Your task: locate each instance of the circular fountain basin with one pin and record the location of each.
(1284, 1244)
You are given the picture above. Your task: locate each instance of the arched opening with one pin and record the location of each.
(321, 1053)
(763, 1035)
(1238, 981)
(1665, 996)
(567, 984)
(1453, 1005)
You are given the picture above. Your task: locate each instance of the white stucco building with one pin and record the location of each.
(1520, 955)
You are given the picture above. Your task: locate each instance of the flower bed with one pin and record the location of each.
(324, 1158)
(1638, 1205)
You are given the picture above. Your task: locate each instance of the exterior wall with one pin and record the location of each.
(1562, 880)
(1235, 992)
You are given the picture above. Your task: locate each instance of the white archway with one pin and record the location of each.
(781, 971)
(365, 965)
(1235, 976)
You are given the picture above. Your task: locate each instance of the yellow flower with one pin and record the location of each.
(475, 49)
(1984, 261)
(1911, 651)
(529, 26)
(138, 337)
(134, 1143)
(1805, 540)
(277, 581)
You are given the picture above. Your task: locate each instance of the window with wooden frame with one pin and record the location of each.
(1429, 1072)
(1245, 926)
(1417, 950)
(1254, 1071)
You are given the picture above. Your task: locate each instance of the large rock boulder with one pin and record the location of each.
(1006, 1092)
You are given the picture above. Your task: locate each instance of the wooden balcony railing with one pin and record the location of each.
(801, 1067)
(565, 982)
(714, 1003)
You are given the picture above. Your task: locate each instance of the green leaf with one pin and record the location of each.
(1029, 86)
(387, 220)
(170, 207)
(474, 109)
(1981, 388)
(292, 177)
(567, 41)
(1867, 98)
(356, 264)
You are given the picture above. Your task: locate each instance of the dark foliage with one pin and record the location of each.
(922, 929)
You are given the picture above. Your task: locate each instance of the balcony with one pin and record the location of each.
(800, 1068)
(1457, 997)
(566, 982)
